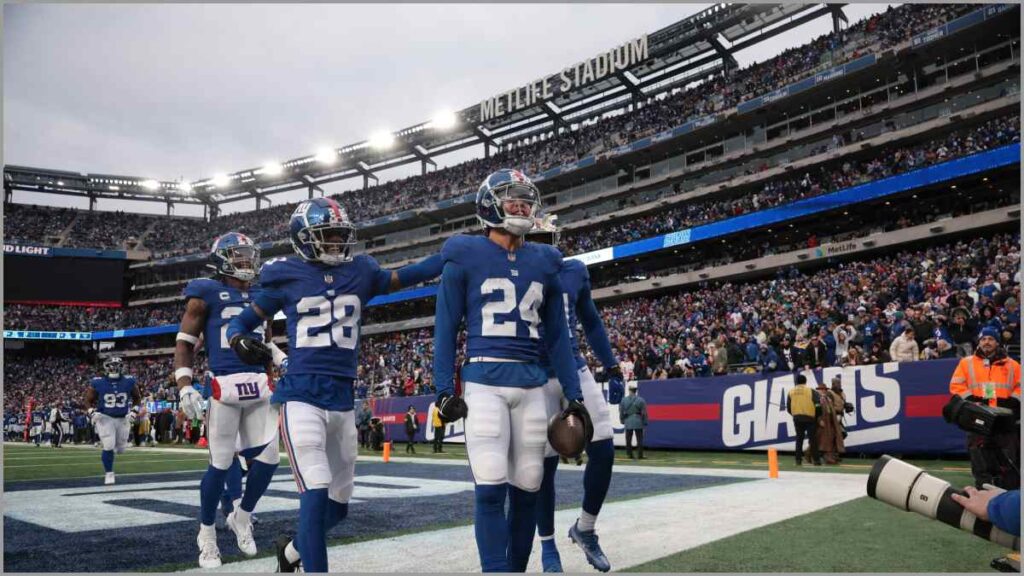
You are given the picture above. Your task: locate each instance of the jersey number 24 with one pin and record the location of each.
(528, 308)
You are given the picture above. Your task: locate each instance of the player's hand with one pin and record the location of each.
(577, 409)
(190, 401)
(451, 408)
(251, 350)
(94, 416)
(616, 385)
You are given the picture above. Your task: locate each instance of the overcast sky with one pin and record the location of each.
(187, 91)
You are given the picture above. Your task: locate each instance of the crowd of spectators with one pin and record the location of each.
(88, 319)
(173, 236)
(850, 313)
(30, 224)
(822, 180)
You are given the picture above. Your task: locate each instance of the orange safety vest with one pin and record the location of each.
(986, 380)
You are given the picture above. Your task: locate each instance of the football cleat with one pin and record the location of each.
(209, 554)
(108, 479)
(587, 541)
(283, 565)
(551, 560)
(243, 533)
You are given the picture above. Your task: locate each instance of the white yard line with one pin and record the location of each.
(632, 532)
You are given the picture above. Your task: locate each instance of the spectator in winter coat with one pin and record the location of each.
(904, 348)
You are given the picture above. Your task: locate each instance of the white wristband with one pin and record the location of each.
(182, 373)
(186, 337)
(277, 354)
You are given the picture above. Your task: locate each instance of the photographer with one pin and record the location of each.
(990, 377)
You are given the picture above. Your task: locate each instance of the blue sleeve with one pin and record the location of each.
(593, 327)
(380, 280)
(556, 338)
(195, 289)
(449, 311)
(422, 271)
(1004, 512)
(269, 300)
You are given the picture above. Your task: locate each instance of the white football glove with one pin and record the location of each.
(191, 401)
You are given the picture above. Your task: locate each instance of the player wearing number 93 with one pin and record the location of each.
(109, 399)
(322, 292)
(509, 293)
(239, 403)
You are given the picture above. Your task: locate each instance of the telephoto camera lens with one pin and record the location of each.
(911, 489)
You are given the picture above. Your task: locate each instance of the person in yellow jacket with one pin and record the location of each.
(435, 420)
(989, 376)
(804, 405)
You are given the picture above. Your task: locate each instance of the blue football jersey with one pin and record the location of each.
(114, 397)
(575, 279)
(505, 298)
(223, 303)
(323, 307)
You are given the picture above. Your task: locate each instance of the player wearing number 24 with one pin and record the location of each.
(322, 291)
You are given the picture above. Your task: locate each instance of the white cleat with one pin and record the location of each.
(209, 554)
(243, 533)
(108, 479)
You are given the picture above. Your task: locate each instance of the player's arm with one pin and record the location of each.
(189, 331)
(249, 347)
(91, 398)
(413, 274)
(597, 337)
(449, 310)
(136, 395)
(556, 339)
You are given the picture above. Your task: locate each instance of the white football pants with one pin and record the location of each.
(506, 431)
(113, 432)
(322, 446)
(593, 400)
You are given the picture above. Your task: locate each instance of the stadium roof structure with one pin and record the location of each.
(674, 56)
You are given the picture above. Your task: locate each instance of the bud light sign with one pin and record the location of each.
(897, 408)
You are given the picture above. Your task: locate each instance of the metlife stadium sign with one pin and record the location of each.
(570, 78)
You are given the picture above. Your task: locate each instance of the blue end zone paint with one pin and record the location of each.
(32, 548)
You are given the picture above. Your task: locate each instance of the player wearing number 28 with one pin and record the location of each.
(109, 399)
(322, 291)
(509, 293)
(239, 399)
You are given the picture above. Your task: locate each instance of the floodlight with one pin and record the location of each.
(61, 182)
(272, 169)
(150, 184)
(443, 120)
(382, 139)
(221, 180)
(115, 188)
(185, 187)
(326, 155)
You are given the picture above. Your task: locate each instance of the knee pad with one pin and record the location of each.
(270, 454)
(222, 455)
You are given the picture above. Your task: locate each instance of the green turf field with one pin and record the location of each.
(862, 535)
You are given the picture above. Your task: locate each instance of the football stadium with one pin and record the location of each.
(726, 316)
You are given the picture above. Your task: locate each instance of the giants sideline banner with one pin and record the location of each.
(897, 408)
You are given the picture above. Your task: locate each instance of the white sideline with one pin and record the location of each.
(632, 532)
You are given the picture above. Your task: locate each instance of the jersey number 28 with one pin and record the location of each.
(326, 312)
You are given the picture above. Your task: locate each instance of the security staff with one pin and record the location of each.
(804, 405)
(989, 376)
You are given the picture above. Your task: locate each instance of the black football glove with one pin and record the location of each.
(616, 385)
(577, 408)
(451, 408)
(251, 350)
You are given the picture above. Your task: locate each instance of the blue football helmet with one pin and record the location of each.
(113, 367)
(498, 192)
(235, 255)
(322, 232)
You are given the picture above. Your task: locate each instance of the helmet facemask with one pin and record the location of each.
(504, 197)
(240, 262)
(113, 367)
(331, 243)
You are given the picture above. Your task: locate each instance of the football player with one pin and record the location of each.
(109, 399)
(580, 308)
(509, 293)
(239, 403)
(322, 291)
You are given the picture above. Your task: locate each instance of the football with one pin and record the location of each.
(567, 435)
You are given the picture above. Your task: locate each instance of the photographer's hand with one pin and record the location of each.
(976, 501)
